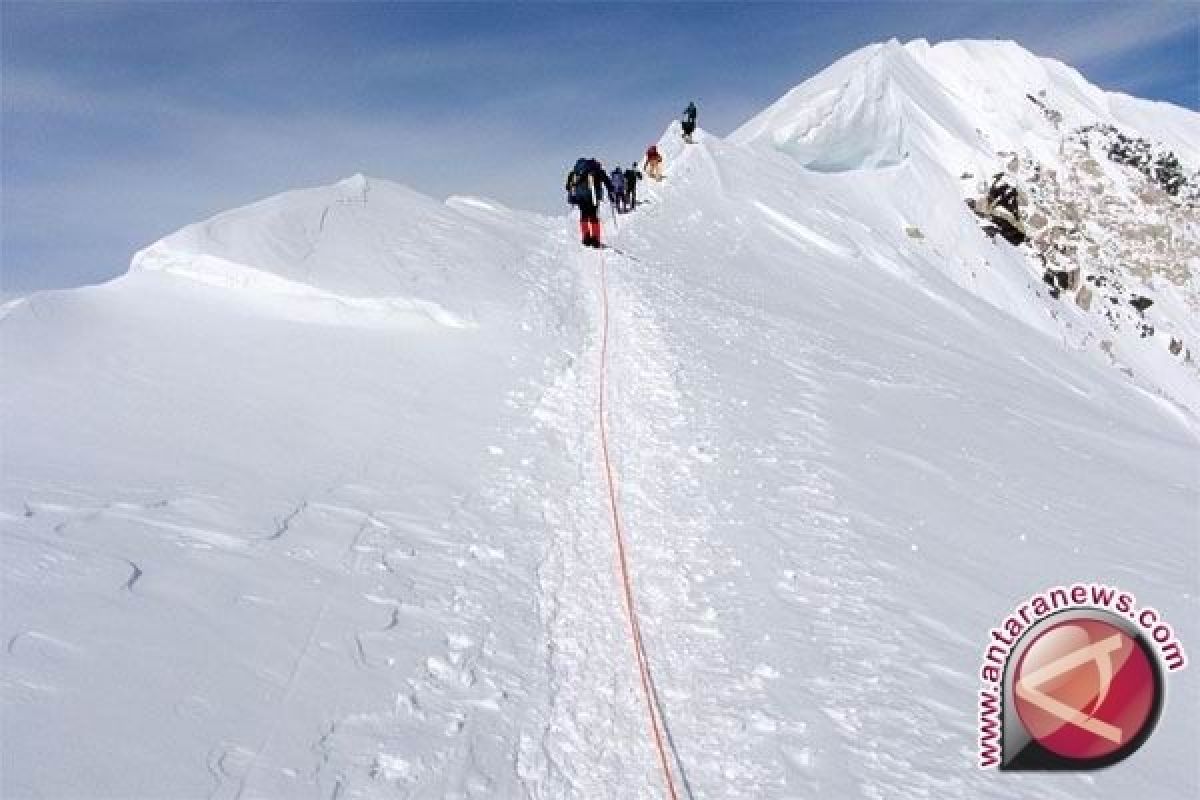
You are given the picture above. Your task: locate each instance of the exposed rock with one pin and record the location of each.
(1112, 222)
(1055, 116)
(1067, 280)
(1000, 207)
(1072, 278)
(1083, 298)
(1156, 163)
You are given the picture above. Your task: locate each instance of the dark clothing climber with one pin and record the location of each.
(585, 188)
(632, 176)
(689, 122)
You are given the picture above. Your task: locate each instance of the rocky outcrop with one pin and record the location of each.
(1159, 165)
(1109, 223)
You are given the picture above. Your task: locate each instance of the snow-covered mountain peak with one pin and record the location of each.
(858, 113)
(1107, 184)
(951, 103)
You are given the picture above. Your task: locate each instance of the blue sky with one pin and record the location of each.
(122, 123)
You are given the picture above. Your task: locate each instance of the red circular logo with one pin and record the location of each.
(1084, 689)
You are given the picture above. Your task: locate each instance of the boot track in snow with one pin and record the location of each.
(650, 694)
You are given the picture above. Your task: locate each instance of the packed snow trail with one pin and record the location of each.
(653, 708)
(596, 738)
(660, 439)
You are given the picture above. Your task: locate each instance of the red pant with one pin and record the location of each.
(589, 222)
(590, 227)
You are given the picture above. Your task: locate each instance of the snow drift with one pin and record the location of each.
(372, 248)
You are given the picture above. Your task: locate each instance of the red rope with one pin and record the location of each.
(635, 630)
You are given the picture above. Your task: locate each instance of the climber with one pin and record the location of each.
(619, 190)
(653, 164)
(585, 188)
(689, 122)
(632, 176)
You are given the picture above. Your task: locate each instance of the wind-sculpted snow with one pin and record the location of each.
(286, 299)
(955, 104)
(311, 502)
(872, 109)
(368, 244)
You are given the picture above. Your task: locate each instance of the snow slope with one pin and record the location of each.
(921, 125)
(310, 503)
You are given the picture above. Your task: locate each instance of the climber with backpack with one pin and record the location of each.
(632, 176)
(618, 192)
(585, 188)
(654, 163)
(689, 122)
(570, 186)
